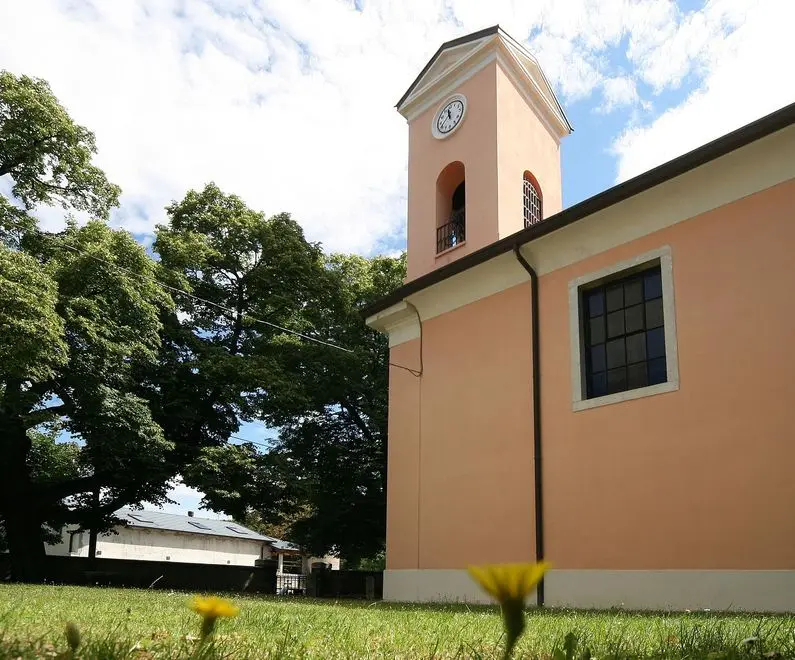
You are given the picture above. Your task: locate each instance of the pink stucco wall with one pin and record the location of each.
(475, 145)
(500, 137)
(523, 143)
(700, 477)
(460, 443)
(676, 480)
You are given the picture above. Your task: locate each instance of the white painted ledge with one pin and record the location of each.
(717, 590)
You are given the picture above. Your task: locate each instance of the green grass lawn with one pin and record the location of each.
(117, 623)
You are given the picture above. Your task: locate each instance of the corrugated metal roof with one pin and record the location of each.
(191, 525)
(278, 544)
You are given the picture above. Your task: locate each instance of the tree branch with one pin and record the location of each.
(69, 487)
(53, 187)
(7, 166)
(356, 418)
(37, 417)
(79, 515)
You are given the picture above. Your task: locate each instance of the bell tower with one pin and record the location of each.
(484, 148)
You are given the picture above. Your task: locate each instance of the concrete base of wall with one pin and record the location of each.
(750, 591)
(431, 586)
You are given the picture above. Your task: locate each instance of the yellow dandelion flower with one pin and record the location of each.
(214, 607)
(510, 585)
(211, 609)
(72, 635)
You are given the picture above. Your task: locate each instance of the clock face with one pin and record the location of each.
(449, 117)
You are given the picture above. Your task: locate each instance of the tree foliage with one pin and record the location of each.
(94, 322)
(46, 153)
(327, 398)
(333, 420)
(151, 365)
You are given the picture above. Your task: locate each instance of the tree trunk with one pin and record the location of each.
(19, 509)
(25, 544)
(92, 533)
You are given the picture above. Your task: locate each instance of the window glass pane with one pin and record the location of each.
(615, 353)
(615, 324)
(633, 292)
(657, 371)
(598, 362)
(652, 284)
(654, 313)
(616, 380)
(633, 318)
(598, 384)
(596, 302)
(624, 333)
(636, 348)
(596, 334)
(655, 343)
(636, 376)
(615, 297)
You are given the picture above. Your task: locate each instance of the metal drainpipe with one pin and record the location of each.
(536, 358)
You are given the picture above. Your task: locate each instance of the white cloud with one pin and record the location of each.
(290, 103)
(186, 499)
(745, 77)
(619, 91)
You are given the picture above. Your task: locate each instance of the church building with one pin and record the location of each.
(608, 386)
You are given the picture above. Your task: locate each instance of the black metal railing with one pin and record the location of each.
(290, 584)
(452, 233)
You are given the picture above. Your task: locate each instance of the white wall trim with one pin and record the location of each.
(438, 94)
(403, 331)
(399, 321)
(579, 401)
(530, 91)
(433, 77)
(673, 590)
(717, 590)
(745, 171)
(432, 586)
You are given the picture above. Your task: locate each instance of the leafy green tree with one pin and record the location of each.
(47, 154)
(225, 364)
(238, 267)
(327, 469)
(98, 340)
(80, 314)
(333, 419)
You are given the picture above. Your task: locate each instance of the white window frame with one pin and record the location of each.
(662, 256)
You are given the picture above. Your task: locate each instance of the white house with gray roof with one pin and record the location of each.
(158, 536)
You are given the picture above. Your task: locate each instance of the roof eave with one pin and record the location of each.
(460, 41)
(520, 46)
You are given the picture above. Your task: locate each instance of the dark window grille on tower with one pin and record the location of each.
(532, 204)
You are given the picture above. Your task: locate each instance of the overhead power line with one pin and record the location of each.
(224, 308)
(205, 301)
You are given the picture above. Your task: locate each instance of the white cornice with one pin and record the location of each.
(400, 322)
(441, 80)
(538, 95)
(436, 84)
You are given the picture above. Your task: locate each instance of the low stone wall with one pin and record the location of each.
(156, 574)
(346, 584)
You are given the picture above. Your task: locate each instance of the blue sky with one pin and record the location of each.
(290, 103)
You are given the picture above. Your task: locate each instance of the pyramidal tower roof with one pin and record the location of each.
(461, 58)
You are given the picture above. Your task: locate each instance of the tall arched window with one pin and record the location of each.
(533, 206)
(450, 207)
